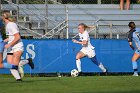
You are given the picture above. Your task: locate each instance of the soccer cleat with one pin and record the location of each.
(135, 74)
(18, 80)
(106, 72)
(31, 64)
(80, 74)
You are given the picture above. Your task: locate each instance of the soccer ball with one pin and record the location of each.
(74, 73)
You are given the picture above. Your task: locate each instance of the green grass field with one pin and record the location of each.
(90, 84)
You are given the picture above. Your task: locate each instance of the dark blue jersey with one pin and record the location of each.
(1, 25)
(134, 36)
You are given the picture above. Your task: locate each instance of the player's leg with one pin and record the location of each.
(24, 62)
(28, 61)
(134, 62)
(7, 65)
(99, 64)
(91, 54)
(4, 65)
(127, 4)
(78, 61)
(14, 72)
(1, 59)
(16, 57)
(121, 4)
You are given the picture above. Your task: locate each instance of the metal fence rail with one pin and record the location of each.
(59, 18)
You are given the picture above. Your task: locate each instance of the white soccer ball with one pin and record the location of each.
(74, 73)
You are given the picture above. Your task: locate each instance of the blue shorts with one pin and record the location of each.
(137, 52)
(2, 47)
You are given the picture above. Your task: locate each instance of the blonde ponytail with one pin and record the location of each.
(8, 16)
(12, 19)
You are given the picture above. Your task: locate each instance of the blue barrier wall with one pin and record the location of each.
(59, 56)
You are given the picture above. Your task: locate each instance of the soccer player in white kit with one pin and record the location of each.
(14, 47)
(87, 49)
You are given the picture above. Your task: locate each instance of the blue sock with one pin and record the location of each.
(135, 66)
(9, 66)
(95, 61)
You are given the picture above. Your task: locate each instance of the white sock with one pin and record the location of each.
(78, 64)
(21, 71)
(102, 67)
(23, 62)
(15, 73)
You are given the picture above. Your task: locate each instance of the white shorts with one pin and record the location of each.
(88, 52)
(12, 50)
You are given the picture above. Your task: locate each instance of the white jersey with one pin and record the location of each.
(85, 36)
(11, 29)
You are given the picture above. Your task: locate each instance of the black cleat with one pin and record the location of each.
(19, 80)
(106, 73)
(81, 74)
(31, 64)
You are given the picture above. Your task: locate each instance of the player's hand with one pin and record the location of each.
(5, 40)
(7, 46)
(74, 41)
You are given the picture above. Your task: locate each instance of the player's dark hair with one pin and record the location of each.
(84, 25)
(132, 25)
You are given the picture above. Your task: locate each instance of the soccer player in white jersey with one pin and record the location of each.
(14, 47)
(87, 49)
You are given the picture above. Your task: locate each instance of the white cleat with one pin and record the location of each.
(135, 74)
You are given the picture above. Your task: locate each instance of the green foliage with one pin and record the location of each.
(34, 2)
(3, 32)
(4, 36)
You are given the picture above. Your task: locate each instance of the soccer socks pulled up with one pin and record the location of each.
(15, 73)
(95, 61)
(23, 62)
(135, 66)
(9, 66)
(78, 64)
(99, 64)
(102, 67)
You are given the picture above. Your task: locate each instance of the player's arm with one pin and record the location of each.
(16, 39)
(84, 42)
(131, 45)
(130, 41)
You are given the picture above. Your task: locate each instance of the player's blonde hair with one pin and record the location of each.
(84, 26)
(8, 16)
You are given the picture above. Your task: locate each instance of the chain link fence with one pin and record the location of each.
(59, 18)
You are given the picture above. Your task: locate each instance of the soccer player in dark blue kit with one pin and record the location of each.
(1, 43)
(134, 36)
